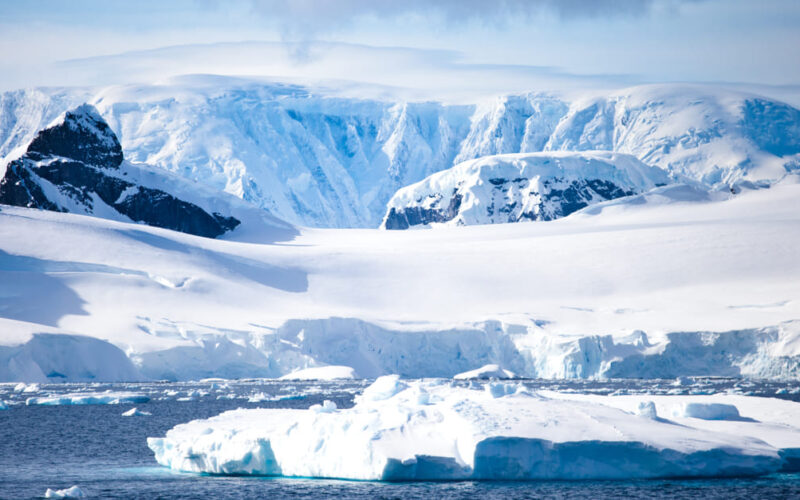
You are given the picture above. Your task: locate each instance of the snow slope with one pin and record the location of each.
(517, 187)
(432, 430)
(334, 162)
(646, 286)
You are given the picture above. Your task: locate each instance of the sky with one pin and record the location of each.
(457, 45)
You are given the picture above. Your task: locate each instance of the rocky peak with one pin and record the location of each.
(81, 135)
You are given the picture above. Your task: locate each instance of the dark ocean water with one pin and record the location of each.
(106, 454)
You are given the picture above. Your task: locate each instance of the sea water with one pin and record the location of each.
(106, 455)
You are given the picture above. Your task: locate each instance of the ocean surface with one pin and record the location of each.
(106, 455)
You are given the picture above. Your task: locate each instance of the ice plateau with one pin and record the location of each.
(432, 430)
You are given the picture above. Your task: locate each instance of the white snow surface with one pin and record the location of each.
(652, 287)
(322, 373)
(325, 161)
(422, 430)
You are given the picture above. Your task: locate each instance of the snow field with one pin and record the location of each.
(646, 289)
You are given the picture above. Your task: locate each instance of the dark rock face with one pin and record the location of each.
(83, 136)
(20, 188)
(79, 159)
(413, 216)
(558, 198)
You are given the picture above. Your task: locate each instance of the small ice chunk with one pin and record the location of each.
(682, 381)
(383, 388)
(500, 389)
(423, 397)
(71, 492)
(322, 373)
(23, 387)
(647, 409)
(708, 411)
(325, 407)
(486, 372)
(3, 405)
(135, 412)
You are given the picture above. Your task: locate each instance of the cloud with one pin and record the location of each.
(298, 19)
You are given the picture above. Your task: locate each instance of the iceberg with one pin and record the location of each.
(89, 398)
(443, 430)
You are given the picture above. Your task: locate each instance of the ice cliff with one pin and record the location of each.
(335, 162)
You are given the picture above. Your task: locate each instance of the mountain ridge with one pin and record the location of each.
(335, 162)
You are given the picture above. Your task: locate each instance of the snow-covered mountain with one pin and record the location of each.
(335, 162)
(522, 186)
(76, 165)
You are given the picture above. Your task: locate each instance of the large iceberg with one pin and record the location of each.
(431, 430)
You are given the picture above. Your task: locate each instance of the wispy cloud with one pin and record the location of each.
(298, 19)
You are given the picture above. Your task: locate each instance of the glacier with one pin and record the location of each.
(689, 285)
(434, 430)
(314, 159)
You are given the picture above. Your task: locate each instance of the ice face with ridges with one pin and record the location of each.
(335, 162)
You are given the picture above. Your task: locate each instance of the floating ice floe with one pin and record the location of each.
(432, 430)
(89, 398)
(322, 373)
(71, 492)
(135, 412)
(23, 387)
(486, 372)
(261, 397)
